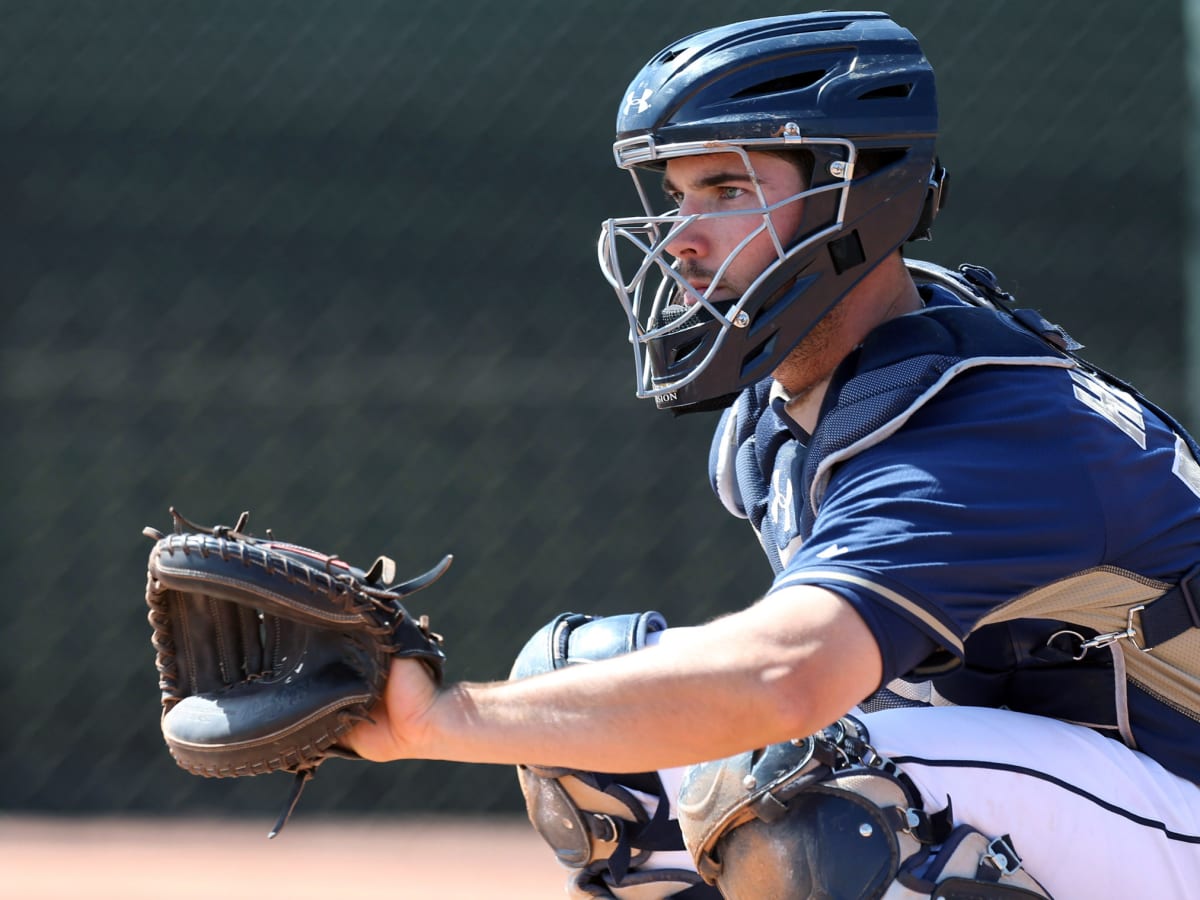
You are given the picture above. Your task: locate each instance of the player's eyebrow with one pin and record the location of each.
(712, 180)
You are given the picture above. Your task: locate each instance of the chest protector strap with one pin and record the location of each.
(1112, 605)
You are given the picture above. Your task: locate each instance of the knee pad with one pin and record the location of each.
(606, 826)
(828, 817)
(571, 638)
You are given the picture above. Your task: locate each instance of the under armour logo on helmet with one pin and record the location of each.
(638, 104)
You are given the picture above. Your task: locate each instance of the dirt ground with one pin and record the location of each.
(44, 858)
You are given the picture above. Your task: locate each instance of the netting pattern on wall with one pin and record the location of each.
(334, 263)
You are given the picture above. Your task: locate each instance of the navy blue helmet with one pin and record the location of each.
(850, 96)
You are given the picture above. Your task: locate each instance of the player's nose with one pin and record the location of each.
(688, 239)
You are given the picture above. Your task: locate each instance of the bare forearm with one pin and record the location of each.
(744, 681)
(622, 715)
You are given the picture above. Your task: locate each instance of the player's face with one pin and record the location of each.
(720, 183)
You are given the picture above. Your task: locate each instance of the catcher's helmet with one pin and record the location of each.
(851, 90)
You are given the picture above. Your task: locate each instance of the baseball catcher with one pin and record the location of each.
(975, 672)
(268, 652)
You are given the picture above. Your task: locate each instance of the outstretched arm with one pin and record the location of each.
(783, 668)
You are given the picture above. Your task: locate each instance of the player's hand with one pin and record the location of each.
(399, 718)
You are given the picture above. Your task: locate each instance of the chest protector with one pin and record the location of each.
(767, 470)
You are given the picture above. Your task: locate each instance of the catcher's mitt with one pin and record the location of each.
(267, 652)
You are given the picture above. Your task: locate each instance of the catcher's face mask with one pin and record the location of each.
(699, 269)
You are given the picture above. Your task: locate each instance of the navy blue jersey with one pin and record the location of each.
(1003, 477)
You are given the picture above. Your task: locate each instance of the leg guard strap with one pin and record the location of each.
(592, 820)
(970, 866)
(655, 884)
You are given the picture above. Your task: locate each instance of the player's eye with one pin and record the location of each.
(730, 192)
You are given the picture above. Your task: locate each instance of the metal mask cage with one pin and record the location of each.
(657, 299)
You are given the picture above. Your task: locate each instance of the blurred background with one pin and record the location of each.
(334, 263)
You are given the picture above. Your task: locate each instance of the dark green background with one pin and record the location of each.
(334, 263)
